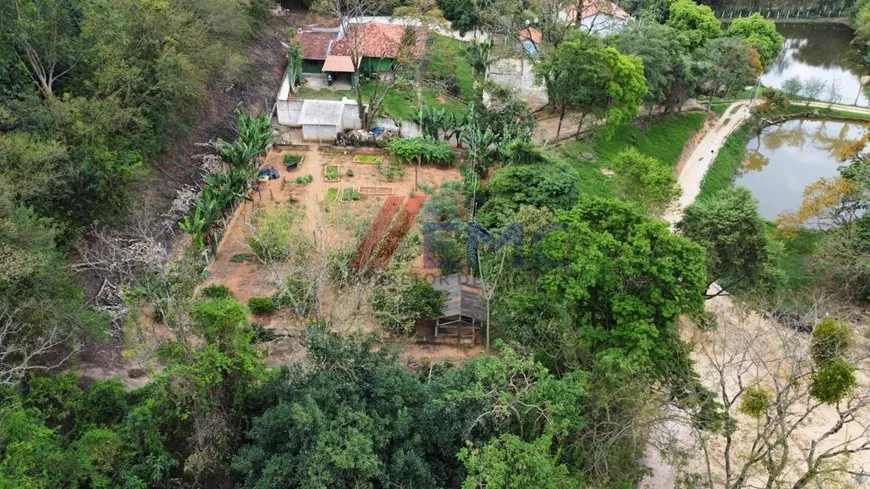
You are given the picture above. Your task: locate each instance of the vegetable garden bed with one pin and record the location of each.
(349, 194)
(376, 191)
(368, 159)
(293, 160)
(332, 193)
(331, 173)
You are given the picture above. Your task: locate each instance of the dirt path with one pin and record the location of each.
(696, 165)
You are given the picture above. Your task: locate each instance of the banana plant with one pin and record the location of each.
(256, 132)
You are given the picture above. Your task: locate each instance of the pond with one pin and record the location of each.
(822, 51)
(784, 159)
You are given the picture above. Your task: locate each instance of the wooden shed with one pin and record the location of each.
(464, 314)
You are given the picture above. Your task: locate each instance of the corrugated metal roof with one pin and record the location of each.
(321, 112)
(463, 296)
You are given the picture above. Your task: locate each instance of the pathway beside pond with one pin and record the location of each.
(692, 173)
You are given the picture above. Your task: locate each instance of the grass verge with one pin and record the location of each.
(730, 158)
(661, 137)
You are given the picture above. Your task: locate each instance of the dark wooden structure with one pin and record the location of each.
(464, 314)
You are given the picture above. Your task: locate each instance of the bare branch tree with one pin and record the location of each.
(21, 353)
(777, 434)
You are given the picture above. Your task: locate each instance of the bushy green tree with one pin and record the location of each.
(761, 34)
(585, 75)
(645, 180)
(405, 301)
(554, 186)
(696, 22)
(508, 462)
(726, 66)
(597, 293)
(740, 256)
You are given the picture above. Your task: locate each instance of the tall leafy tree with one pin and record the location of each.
(696, 22)
(42, 34)
(761, 34)
(727, 65)
(667, 65)
(585, 75)
(739, 254)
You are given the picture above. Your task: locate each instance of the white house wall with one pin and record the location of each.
(602, 24)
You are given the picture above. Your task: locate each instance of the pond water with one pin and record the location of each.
(784, 159)
(822, 51)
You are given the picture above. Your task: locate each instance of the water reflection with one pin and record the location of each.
(784, 159)
(822, 51)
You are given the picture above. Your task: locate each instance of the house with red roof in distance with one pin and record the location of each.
(530, 40)
(329, 49)
(600, 17)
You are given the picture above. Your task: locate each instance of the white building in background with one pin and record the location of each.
(600, 17)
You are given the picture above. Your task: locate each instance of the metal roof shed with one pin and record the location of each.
(321, 119)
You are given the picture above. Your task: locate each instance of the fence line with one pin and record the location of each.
(788, 13)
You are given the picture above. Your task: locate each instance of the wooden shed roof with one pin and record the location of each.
(463, 296)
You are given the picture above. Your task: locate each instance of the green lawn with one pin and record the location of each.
(446, 58)
(663, 138)
(398, 104)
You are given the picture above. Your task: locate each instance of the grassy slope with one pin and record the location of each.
(662, 138)
(446, 56)
(793, 260)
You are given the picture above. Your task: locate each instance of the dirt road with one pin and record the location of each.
(692, 174)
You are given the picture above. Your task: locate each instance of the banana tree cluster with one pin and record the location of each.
(232, 184)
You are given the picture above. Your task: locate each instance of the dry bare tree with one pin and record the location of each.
(777, 433)
(22, 352)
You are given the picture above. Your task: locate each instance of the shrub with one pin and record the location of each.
(272, 236)
(304, 179)
(296, 293)
(831, 340)
(261, 334)
(833, 381)
(405, 301)
(392, 169)
(755, 402)
(349, 172)
(291, 158)
(262, 305)
(216, 291)
(350, 194)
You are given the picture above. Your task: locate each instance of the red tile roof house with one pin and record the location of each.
(600, 17)
(327, 49)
